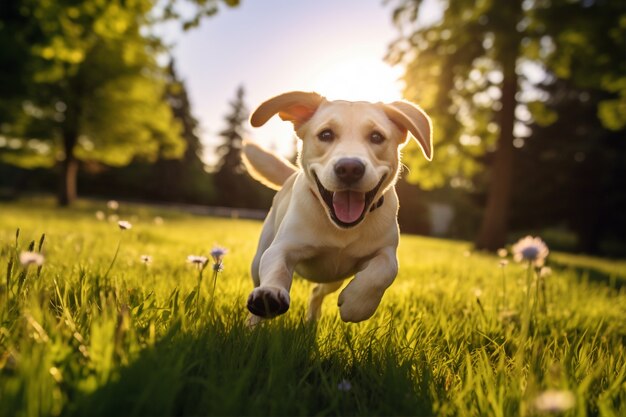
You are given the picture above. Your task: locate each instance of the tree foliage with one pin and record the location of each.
(184, 179)
(191, 13)
(583, 163)
(87, 86)
(95, 92)
(458, 69)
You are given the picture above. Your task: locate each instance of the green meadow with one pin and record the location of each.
(96, 331)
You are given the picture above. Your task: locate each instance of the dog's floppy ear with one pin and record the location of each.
(296, 107)
(409, 116)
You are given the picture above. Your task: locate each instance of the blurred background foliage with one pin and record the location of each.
(528, 100)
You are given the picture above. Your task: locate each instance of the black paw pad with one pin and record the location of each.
(266, 304)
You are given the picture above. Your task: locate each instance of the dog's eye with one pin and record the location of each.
(376, 137)
(326, 135)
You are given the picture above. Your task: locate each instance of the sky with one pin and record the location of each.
(335, 48)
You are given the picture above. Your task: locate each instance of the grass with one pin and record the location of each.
(79, 339)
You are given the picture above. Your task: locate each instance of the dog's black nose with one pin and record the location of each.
(349, 170)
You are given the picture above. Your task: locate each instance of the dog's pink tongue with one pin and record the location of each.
(348, 205)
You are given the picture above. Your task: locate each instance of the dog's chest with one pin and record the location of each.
(328, 265)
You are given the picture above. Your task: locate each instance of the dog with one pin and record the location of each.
(335, 214)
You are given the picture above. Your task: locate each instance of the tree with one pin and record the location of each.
(168, 179)
(582, 162)
(233, 185)
(192, 13)
(229, 175)
(87, 85)
(184, 179)
(96, 90)
(474, 71)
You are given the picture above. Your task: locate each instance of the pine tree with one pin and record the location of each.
(182, 179)
(234, 187)
(229, 177)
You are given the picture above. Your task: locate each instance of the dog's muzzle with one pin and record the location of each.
(347, 208)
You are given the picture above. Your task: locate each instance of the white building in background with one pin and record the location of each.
(441, 216)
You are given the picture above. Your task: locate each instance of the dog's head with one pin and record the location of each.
(351, 150)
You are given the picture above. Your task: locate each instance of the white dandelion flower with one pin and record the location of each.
(124, 225)
(146, 259)
(100, 215)
(503, 263)
(502, 253)
(199, 261)
(554, 401)
(531, 249)
(113, 205)
(31, 258)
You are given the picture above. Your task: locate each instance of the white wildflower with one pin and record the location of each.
(113, 205)
(113, 218)
(100, 215)
(30, 258)
(124, 225)
(146, 259)
(502, 253)
(531, 249)
(158, 220)
(199, 261)
(503, 263)
(555, 401)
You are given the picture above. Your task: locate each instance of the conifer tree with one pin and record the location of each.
(233, 186)
(229, 176)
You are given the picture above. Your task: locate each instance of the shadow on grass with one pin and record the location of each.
(278, 369)
(613, 280)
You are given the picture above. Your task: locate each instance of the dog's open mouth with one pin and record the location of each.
(347, 208)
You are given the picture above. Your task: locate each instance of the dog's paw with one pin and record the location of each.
(357, 303)
(268, 302)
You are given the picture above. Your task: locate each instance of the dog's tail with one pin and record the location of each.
(265, 166)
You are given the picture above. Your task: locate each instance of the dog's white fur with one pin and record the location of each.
(302, 232)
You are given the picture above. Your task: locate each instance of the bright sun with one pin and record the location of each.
(365, 78)
(361, 78)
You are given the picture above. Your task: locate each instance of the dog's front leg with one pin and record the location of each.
(271, 297)
(359, 300)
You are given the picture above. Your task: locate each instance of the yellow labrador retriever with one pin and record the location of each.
(334, 216)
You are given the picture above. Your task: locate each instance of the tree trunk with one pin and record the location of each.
(69, 171)
(494, 228)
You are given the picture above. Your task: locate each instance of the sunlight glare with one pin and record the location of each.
(360, 79)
